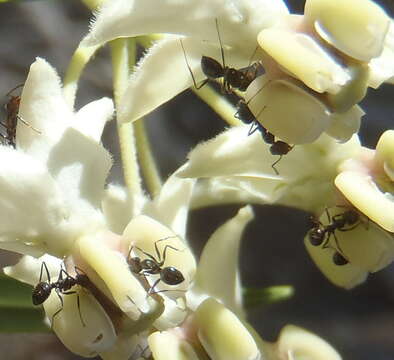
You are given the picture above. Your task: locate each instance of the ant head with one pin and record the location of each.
(316, 236)
(171, 276)
(280, 148)
(41, 292)
(338, 259)
(211, 68)
(134, 264)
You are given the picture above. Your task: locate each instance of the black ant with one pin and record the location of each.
(277, 147)
(232, 78)
(12, 117)
(62, 286)
(320, 234)
(152, 266)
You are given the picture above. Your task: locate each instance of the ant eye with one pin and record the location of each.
(171, 276)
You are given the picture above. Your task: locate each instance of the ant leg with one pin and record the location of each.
(27, 124)
(129, 254)
(337, 243)
(328, 215)
(273, 165)
(153, 286)
(253, 128)
(220, 42)
(16, 87)
(165, 253)
(44, 266)
(325, 244)
(163, 239)
(78, 304)
(198, 87)
(147, 254)
(61, 307)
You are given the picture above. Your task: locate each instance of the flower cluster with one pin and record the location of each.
(111, 264)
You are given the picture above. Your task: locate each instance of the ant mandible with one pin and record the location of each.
(232, 78)
(12, 117)
(152, 266)
(320, 234)
(62, 286)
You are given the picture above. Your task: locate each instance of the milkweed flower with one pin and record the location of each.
(316, 68)
(313, 177)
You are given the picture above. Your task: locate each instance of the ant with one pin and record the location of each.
(277, 147)
(152, 266)
(320, 234)
(232, 78)
(12, 117)
(62, 286)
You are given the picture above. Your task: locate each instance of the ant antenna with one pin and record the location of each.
(220, 42)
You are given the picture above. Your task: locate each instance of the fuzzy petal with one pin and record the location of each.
(91, 119)
(43, 107)
(218, 277)
(28, 269)
(196, 18)
(117, 207)
(171, 206)
(80, 166)
(154, 82)
(32, 204)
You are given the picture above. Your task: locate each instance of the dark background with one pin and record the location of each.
(359, 323)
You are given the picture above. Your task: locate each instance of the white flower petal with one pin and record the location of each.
(304, 58)
(346, 276)
(120, 18)
(171, 206)
(154, 82)
(296, 343)
(363, 193)
(355, 27)
(91, 119)
(97, 335)
(117, 207)
(286, 110)
(28, 269)
(167, 346)
(32, 206)
(218, 276)
(232, 152)
(111, 267)
(384, 154)
(223, 335)
(144, 232)
(43, 107)
(382, 67)
(80, 166)
(343, 126)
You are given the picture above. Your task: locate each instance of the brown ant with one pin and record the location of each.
(232, 78)
(320, 234)
(153, 266)
(12, 117)
(62, 286)
(277, 147)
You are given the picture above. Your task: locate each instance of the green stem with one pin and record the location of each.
(131, 171)
(219, 104)
(146, 158)
(80, 58)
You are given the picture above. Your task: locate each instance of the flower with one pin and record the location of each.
(316, 70)
(314, 177)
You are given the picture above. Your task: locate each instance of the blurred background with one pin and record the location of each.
(359, 323)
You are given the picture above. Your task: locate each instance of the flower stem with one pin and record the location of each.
(147, 161)
(80, 58)
(219, 104)
(131, 171)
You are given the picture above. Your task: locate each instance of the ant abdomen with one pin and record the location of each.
(41, 292)
(211, 68)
